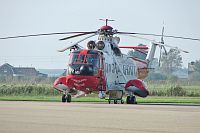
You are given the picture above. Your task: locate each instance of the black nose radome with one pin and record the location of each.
(84, 69)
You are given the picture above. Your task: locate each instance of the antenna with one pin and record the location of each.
(106, 20)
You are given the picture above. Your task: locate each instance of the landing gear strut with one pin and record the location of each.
(115, 95)
(67, 98)
(116, 101)
(131, 100)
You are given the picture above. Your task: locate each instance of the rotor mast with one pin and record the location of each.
(106, 20)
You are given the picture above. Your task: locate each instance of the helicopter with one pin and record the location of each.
(101, 67)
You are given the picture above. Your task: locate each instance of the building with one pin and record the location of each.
(8, 70)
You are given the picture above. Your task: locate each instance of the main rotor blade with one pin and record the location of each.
(72, 45)
(179, 37)
(81, 34)
(158, 43)
(42, 34)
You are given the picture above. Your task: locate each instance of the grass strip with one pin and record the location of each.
(150, 99)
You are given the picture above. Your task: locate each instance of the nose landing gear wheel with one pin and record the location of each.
(66, 98)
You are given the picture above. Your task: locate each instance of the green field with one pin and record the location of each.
(160, 92)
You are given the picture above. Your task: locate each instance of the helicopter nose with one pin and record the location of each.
(84, 69)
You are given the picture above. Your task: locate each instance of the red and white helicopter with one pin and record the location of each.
(102, 68)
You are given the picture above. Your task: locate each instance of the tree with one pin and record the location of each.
(194, 70)
(171, 61)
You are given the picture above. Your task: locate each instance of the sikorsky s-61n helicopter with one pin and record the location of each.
(102, 68)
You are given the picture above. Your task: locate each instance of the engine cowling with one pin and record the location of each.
(138, 87)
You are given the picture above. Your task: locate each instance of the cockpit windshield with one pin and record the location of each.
(83, 63)
(78, 58)
(92, 59)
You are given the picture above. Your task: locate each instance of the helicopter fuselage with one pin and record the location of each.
(102, 67)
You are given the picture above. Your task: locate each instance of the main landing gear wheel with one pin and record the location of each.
(67, 98)
(64, 98)
(131, 100)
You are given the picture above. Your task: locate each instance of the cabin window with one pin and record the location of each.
(106, 67)
(124, 69)
(131, 70)
(116, 68)
(109, 67)
(120, 66)
(113, 68)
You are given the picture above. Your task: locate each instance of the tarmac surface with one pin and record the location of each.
(53, 117)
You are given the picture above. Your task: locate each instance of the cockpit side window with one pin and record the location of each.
(92, 59)
(82, 58)
(73, 58)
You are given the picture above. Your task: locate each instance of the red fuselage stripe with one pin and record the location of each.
(134, 47)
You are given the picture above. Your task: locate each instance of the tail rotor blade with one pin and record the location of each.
(170, 47)
(160, 56)
(162, 38)
(165, 50)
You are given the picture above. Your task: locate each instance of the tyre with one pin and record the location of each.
(69, 98)
(132, 100)
(64, 98)
(128, 99)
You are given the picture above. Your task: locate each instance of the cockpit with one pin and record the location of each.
(84, 62)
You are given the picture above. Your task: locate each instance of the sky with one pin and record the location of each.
(21, 17)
